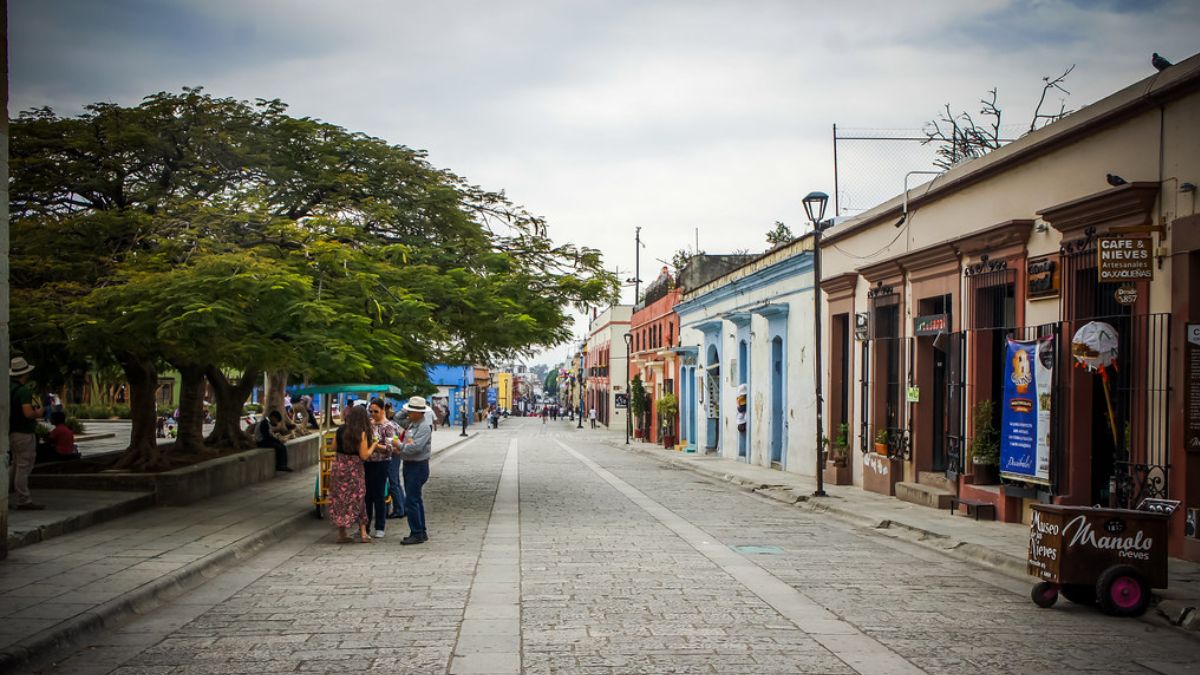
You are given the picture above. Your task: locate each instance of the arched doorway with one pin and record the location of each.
(712, 398)
(743, 367)
(777, 418)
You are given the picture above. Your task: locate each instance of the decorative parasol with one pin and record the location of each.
(1095, 349)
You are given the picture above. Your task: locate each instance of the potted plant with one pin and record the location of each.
(837, 462)
(985, 444)
(637, 406)
(881, 441)
(668, 409)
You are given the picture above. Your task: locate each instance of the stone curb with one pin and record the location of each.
(1178, 613)
(154, 593)
(79, 522)
(146, 597)
(84, 438)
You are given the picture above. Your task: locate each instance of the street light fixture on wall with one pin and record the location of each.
(814, 208)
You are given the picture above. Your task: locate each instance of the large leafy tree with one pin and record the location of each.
(223, 238)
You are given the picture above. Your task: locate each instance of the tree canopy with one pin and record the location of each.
(224, 238)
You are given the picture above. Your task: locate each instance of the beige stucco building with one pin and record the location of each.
(925, 291)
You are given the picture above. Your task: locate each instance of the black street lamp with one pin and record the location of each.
(464, 402)
(814, 208)
(628, 403)
(582, 381)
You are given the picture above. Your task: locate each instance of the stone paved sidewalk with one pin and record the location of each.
(1001, 546)
(54, 591)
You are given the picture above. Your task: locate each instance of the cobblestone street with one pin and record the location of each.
(551, 552)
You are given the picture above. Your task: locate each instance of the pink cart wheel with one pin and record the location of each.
(1122, 591)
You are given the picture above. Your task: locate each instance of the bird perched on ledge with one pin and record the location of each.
(1160, 64)
(1114, 180)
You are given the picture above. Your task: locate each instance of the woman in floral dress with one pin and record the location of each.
(347, 489)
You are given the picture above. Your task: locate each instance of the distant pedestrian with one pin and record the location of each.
(592, 416)
(416, 453)
(347, 485)
(264, 437)
(23, 414)
(545, 413)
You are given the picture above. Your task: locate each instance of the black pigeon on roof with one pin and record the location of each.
(1114, 180)
(1160, 64)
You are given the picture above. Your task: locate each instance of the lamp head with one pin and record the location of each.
(814, 207)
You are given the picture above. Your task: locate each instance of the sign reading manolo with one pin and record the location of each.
(1123, 258)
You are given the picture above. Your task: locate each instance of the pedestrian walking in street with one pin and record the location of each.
(592, 417)
(377, 466)
(347, 485)
(416, 453)
(264, 437)
(545, 414)
(24, 412)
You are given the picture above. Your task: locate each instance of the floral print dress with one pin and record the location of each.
(347, 490)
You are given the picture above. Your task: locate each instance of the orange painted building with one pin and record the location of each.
(655, 329)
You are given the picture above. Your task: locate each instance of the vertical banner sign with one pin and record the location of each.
(1025, 411)
(1191, 389)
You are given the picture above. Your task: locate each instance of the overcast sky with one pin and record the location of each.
(602, 116)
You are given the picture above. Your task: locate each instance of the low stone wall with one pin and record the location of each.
(192, 483)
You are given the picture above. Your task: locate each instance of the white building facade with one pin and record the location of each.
(749, 332)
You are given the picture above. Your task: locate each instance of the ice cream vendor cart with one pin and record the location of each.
(1099, 556)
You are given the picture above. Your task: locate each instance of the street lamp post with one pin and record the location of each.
(628, 402)
(582, 381)
(464, 403)
(814, 208)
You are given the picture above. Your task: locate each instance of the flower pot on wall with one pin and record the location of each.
(836, 474)
(985, 474)
(881, 449)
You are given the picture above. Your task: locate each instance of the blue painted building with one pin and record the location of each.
(750, 330)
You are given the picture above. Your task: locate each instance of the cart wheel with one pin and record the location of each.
(1122, 591)
(1044, 594)
(1080, 594)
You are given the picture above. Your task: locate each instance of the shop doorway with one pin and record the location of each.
(743, 367)
(712, 399)
(777, 420)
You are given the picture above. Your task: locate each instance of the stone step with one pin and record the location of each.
(924, 495)
(935, 479)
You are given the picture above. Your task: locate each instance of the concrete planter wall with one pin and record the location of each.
(192, 483)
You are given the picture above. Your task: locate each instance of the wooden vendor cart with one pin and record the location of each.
(1099, 556)
(328, 393)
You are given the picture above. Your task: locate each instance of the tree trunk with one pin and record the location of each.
(190, 436)
(276, 385)
(143, 453)
(230, 397)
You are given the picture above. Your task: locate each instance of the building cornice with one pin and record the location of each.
(1129, 205)
(842, 284)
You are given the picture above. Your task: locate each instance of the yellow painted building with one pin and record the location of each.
(504, 394)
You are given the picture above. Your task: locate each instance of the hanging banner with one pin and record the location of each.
(1025, 411)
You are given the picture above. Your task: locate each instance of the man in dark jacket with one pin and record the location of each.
(264, 437)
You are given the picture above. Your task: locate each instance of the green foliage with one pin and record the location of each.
(206, 232)
(637, 399)
(985, 444)
(842, 440)
(780, 234)
(550, 384)
(682, 257)
(87, 411)
(668, 407)
(881, 436)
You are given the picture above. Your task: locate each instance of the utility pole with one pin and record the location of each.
(637, 263)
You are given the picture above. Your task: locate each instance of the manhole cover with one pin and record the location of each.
(757, 549)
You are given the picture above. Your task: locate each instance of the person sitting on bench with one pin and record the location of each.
(61, 441)
(264, 437)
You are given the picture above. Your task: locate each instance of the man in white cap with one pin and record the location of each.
(416, 453)
(22, 431)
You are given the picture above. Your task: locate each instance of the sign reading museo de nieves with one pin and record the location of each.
(1025, 416)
